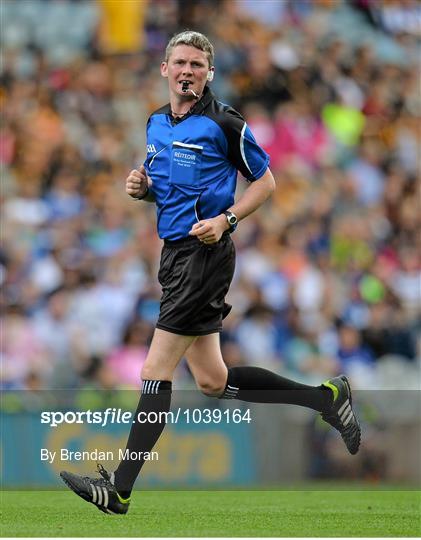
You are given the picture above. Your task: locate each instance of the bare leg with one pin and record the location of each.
(164, 354)
(205, 361)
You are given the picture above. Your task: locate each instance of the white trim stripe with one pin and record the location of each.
(233, 387)
(154, 156)
(195, 208)
(93, 492)
(153, 387)
(99, 495)
(185, 145)
(243, 155)
(157, 386)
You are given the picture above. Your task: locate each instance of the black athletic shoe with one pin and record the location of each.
(341, 414)
(99, 491)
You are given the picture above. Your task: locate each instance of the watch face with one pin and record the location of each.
(232, 219)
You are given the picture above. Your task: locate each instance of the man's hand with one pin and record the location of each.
(209, 231)
(137, 183)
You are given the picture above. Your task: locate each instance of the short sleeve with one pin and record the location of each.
(243, 151)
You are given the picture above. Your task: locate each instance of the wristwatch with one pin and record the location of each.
(232, 220)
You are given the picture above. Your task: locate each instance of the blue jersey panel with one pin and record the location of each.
(193, 165)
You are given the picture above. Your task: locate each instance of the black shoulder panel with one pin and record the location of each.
(232, 124)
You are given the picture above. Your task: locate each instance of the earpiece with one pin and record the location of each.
(210, 75)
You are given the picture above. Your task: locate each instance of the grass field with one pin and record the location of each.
(216, 513)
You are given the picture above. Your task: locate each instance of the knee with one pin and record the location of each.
(149, 373)
(211, 387)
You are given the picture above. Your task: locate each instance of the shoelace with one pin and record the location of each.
(104, 481)
(103, 472)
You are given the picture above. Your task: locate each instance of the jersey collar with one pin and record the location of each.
(197, 108)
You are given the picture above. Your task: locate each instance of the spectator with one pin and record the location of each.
(337, 241)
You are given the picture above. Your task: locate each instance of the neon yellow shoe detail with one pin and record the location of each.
(335, 391)
(341, 414)
(123, 501)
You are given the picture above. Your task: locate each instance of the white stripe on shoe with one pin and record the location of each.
(99, 491)
(343, 407)
(93, 493)
(345, 413)
(347, 421)
(105, 492)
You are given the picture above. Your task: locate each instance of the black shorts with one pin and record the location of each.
(195, 279)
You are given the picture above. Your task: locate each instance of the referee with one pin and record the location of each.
(195, 147)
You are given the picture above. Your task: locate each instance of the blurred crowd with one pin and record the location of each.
(328, 271)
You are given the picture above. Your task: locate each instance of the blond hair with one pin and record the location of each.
(194, 39)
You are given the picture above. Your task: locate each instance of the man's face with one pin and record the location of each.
(186, 63)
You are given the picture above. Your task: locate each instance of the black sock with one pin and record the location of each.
(259, 385)
(155, 398)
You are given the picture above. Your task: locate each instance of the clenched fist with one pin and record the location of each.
(137, 183)
(209, 231)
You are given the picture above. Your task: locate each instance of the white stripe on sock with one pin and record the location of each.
(153, 387)
(232, 387)
(157, 386)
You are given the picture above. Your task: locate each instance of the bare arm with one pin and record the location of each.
(254, 196)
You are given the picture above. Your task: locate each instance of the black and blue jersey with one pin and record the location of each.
(193, 163)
